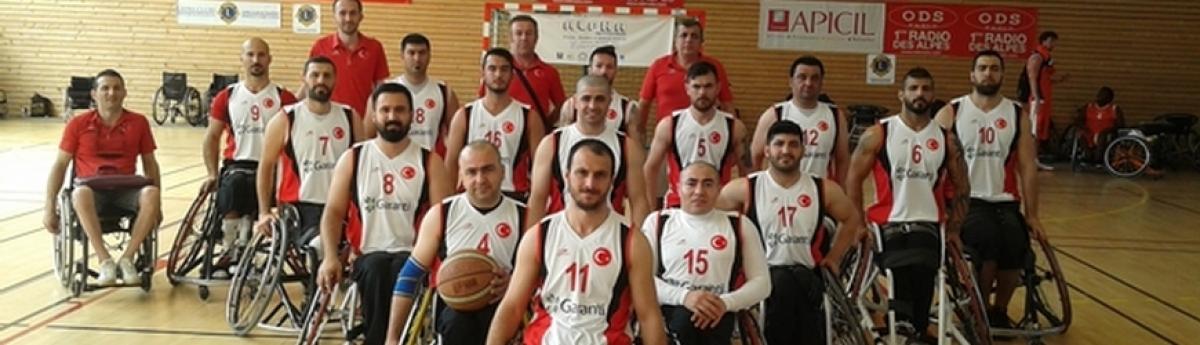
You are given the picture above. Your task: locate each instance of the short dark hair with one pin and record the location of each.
(1107, 93)
(989, 52)
(414, 38)
(523, 18)
(594, 146)
(917, 73)
(690, 23)
(807, 60)
(1047, 35)
(785, 127)
(359, 2)
(391, 88)
(319, 59)
(501, 52)
(606, 50)
(702, 68)
(107, 73)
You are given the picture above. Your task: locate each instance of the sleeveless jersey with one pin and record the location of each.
(789, 219)
(429, 110)
(314, 143)
(584, 296)
(617, 109)
(692, 141)
(506, 130)
(907, 173)
(1099, 118)
(820, 134)
(495, 233)
(989, 141)
(565, 137)
(697, 252)
(388, 198)
(246, 114)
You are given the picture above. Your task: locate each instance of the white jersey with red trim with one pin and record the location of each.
(314, 143)
(907, 173)
(789, 218)
(696, 252)
(584, 296)
(387, 196)
(429, 110)
(989, 142)
(249, 113)
(505, 130)
(495, 232)
(692, 141)
(820, 134)
(566, 137)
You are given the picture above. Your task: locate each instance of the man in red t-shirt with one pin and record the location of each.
(360, 61)
(530, 72)
(1038, 81)
(107, 141)
(664, 81)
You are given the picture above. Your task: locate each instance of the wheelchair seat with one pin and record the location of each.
(174, 85)
(78, 95)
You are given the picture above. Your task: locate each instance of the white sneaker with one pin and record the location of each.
(108, 273)
(129, 273)
(1044, 167)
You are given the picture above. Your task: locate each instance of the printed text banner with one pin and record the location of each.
(960, 30)
(570, 39)
(819, 26)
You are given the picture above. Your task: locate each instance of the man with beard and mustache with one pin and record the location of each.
(241, 112)
(586, 272)
(361, 60)
(910, 156)
(710, 263)
(499, 119)
(999, 150)
(827, 153)
(549, 164)
(303, 143)
(380, 190)
(700, 132)
(787, 204)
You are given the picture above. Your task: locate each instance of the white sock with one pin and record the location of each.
(229, 227)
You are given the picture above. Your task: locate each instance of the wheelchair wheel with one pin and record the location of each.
(314, 318)
(845, 319)
(148, 259)
(1065, 143)
(194, 242)
(193, 107)
(968, 308)
(160, 107)
(1051, 294)
(1127, 156)
(64, 244)
(256, 279)
(748, 330)
(419, 327)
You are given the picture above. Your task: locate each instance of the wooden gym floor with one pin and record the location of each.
(1130, 249)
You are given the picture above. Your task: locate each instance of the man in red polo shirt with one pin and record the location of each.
(360, 61)
(107, 141)
(664, 80)
(531, 73)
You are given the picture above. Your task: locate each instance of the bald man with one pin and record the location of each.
(240, 113)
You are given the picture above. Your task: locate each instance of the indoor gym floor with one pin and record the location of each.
(1130, 250)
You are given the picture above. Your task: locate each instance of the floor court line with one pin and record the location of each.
(1132, 249)
(1170, 305)
(166, 331)
(1119, 312)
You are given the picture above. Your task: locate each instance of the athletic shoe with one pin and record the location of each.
(129, 273)
(1044, 167)
(108, 273)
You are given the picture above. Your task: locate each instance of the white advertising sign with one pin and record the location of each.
(570, 38)
(229, 13)
(306, 18)
(819, 26)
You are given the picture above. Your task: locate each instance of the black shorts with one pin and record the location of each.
(236, 192)
(681, 330)
(996, 231)
(310, 224)
(795, 309)
(464, 328)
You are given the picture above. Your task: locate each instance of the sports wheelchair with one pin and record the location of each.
(863, 116)
(339, 305)
(958, 308)
(78, 95)
(264, 272)
(195, 249)
(1047, 307)
(219, 82)
(1169, 138)
(72, 249)
(176, 99)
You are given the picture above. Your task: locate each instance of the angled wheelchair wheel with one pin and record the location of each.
(256, 279)
(193, 107)
(419, 326)
(1050, 294)
(844, 316)
(160, 107)
(64, 244)
(194, 241)
(748, 330)
(969, 324)
(321, 307)
(1127, 156)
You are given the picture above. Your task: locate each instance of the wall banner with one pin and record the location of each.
(844, 27)
(960, 30)
(306, 18)
(570, 39)
(229, 13)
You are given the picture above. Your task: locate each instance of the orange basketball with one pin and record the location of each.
(464, 281)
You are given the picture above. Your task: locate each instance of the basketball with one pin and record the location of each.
(464, 281)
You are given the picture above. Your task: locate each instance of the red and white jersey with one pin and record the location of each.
(615, 119)
(692, 141)
(908, 172)
(429, 110)
(388, 198)
(989, 141)
(696, 252)
(314, 143)
(820, 134)
(495, 232)
(584, 296)
(563, 139)
(506, 130)
(245, 115)
(789, 218)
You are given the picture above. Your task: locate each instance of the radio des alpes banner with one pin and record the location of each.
(959, 30)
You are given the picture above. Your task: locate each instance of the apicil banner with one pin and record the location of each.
(960, 30)
(570, 38)
(229, 13)
(844, 27)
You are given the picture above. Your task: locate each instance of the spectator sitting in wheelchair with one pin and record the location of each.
(1098, 121)
(103, 144)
